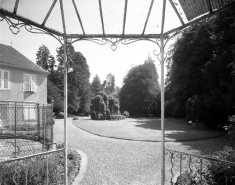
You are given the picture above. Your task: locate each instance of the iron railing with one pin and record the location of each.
(189, 169)
(25, 129)
(43, 168)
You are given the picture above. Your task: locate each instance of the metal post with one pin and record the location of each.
(15, 129)
(65, 112)
(38, 121)
(44, 122)
(162, 95)
(162, 114)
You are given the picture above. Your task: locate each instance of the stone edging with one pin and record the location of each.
(83, 166)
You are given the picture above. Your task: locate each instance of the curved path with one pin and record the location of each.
(121, 162)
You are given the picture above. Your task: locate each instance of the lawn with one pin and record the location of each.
(146, 129)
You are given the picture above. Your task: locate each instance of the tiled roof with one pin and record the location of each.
(11, 57)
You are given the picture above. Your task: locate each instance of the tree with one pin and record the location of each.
(96, 86)
(201, 71)
(46, 61)
(78, 78)
(42, 59)
(109, 84)
(53, 93)
(140, 89)
(112, 102)
(184, 78)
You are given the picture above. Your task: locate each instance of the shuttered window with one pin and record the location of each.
(4, 79)
(29, 83)
(33, 83)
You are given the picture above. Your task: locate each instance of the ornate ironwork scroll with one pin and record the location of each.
(113, 42)
(16, 25)
(184, 168)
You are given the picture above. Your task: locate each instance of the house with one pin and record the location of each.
(21, 80)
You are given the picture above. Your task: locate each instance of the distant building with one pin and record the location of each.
(20, 79)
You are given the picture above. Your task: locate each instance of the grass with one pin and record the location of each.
(146, 129)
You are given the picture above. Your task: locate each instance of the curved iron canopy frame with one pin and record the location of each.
(113, 40)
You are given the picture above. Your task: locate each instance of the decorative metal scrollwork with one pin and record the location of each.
(191, 168)
(15, 28)
(113, 42)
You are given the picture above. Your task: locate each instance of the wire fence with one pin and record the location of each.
(25, 129)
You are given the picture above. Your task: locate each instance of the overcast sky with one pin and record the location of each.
(101, 59)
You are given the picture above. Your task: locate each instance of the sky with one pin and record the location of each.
(101, 59)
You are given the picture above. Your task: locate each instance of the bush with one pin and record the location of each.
(218, 171)
(36, 169)
(126, 114)
(75, 118)
(231, 129)
(116, 117)
(215, 173)
(54, 93)
(192, 178)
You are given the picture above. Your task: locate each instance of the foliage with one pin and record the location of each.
(219, 171)
(112, 102)
(215, 172)
(193, 177)
(96, 86)
(53, 93)
(115, 93)
(126, 114)
(116, 108)
(140, 88)
(201, 68)
(79, 92)
(105, 97)
(46, 61)
(196, 110)
(78, 79)
(109, 84)
(117, 117)
(36, 169)
(231, 129)
(104, 105)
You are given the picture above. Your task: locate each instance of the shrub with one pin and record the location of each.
(75, 118)
(231, 129)
(219, 171)
(126, 114)
(192, 177)
(36, 169)
(215, 173)
(54, 93)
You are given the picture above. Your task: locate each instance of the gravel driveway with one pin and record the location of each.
(121, 162)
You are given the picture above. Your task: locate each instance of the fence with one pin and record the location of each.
(25, 128)
(184, 169)
(44, 168)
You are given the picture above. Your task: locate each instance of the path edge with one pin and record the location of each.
(83, 167)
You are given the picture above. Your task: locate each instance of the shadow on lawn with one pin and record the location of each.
(170, 124)
(197, 138)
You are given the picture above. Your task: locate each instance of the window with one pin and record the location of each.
(4, 79)
(29, 83)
